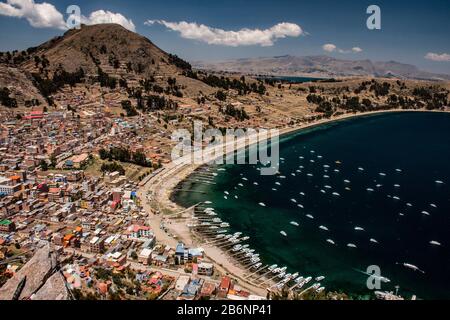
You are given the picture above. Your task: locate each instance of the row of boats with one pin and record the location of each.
(206, 222)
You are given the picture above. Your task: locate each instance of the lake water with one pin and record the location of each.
(402, 154)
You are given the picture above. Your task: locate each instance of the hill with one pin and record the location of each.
(320, 66)
(108, 53)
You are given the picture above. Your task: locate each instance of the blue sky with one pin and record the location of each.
(410, 29)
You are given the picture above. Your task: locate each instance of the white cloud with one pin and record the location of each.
(329, 47)
(243, 37)
(102, 16)
(45, 15)
(444, 57)
(39, 15)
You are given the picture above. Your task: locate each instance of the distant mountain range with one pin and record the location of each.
(319, 66)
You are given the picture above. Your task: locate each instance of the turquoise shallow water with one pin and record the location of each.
(416, 143)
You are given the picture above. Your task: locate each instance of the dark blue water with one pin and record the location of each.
(416, 143)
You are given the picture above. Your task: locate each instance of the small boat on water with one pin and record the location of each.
(336, 194)
(278, 184)
(283, 233)
(310, 216)
(293, 200)
(435, 243)
(370, 190)
(301, 206)
(320, 278)
(331, 241)
(310, 175)
(225, 197)
(439, 182)
(361, 169)
(351, 245)
(327, 187)
(381, 174)
(398, 170)
(433, 205)
(240, 185)
(373, 240)
(359, 229)
(409, 204)
(302, 193)
(262, 204)
(396, 185)
(296, 224)
(396, 198)
(347, 181)
(426, 213)
(324, 228)
(323, 191)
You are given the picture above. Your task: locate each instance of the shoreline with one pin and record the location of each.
(162, 187)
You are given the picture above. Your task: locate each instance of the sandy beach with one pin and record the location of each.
(156, 193)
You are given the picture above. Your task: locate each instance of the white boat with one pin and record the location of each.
(361, 169)
(262, 204)
(323, 191)
(278, 184)
(225, 197)
(320, 278)
(398, 170)
(326, 177)
(324, 228)
(336, 170)
(396, 185)
(370, 190)
(435, 243)
(359, 229)
(294, 223)
(379, 185)
(312, 161)
(272, 267)
(301, 206)
(293, 200)
(336, 194)
(347, 181)
(382, 174)
(273, 189)
(351, 245)
(373, 240)
(320, 290)
(331, 241)
(327, 187)
(307, 280)
(439, 182)
(396, 198)
(310, 175)
(227, 193)
(240, 185)
(326, 166)
(433, 205)
(256, 183)
(426, 213)
(310, 216)
(284, 234)
(302, 193)
(412, 267)
(409, 204)
(245, 179)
